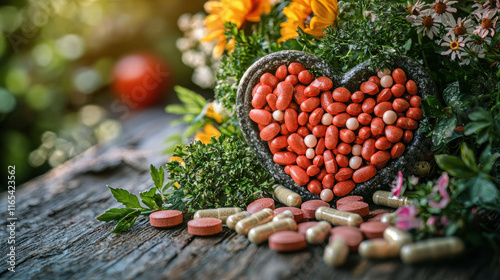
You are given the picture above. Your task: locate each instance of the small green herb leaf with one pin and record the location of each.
(150, 199)
(125, 198)
(126, 222)
(468, 157)
(454, 165)
(114, 214)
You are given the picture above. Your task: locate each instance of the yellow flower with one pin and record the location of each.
(310, 15)
(213, 114)
(233, 11)
(208, 131)
(182, 163)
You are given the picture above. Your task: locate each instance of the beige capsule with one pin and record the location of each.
(336, 253)
(233, 219)
(283, 215)
(261, 233)
(318, 233)
(432, 249)
(388, 199)
(378, 249)
(395, 235)
(219, 213)
(388, 218)
(262, 217)
(286, 196)
(337, 217)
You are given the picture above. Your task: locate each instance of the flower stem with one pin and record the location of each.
(423, 53)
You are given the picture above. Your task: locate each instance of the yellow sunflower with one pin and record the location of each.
(310, 15)
(233, 11)
(208, 131)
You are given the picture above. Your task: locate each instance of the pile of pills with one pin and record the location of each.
(350, 227)
(330, 139)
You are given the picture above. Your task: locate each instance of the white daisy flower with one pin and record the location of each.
(415, 8)
(480, 8)
(443, 9)
(456, 46)
(459, 26)
(488, 21)
(427, 25)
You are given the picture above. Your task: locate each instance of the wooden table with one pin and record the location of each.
(57, 236)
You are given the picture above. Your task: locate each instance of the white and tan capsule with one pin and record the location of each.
(395, 235)
(378, 249)
(388, 218)
(283, 215)
(262, 217)
(261, 233)
(432, 249)
(337, 217)
(336, 253)
(233, 219)
(286, 196)
(388, 199)
(318, 233)
(219, 213)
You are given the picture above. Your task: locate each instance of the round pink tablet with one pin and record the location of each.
(352, 236)
(205, 226)
(260, 204)
(165, 218)
(358, 207)
(309, 208)
(287, 241)
(298, 216)
(373, 230)
(349, 199)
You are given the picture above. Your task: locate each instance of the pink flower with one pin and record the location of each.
(441, 186)
(488, 24)
(397, 185)
(406, 217)
(456, 46)
(413, 180)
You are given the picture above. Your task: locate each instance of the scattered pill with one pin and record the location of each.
(383, 72)
(260, 204)
(318, 233)
(358, 207)
(386, 198)
(378, 249)
(326, 119)
(349, 199)
(373, 230)
(286, 196)
(310, 154)
(389, 117)
(309, 208)
(257, 219)
(432, 249)
(326, 195)
(336, 253)
(352, 236)
(278, 115)
(261, 233)
(396, 235)
(165, 218)
(355, 162)
(303, 227)
(298, 215)
(388, 218)
(352, 123)
(337, 217)
(310, 141)
(219, 213)
(233, 219)
(287, 241)
(205, 226)
(283, 215)
(386, 81)
(356, 150)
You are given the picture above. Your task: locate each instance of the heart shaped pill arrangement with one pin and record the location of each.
(326, 132)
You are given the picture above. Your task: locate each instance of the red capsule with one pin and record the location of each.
(281, 72)
(299, 175)
(269, 79)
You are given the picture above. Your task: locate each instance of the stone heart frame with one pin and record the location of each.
(350, 80)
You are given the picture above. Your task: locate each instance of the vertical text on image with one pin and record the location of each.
(11, 217)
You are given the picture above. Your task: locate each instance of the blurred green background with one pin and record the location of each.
(56, 60)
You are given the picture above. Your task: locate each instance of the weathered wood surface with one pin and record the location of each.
(58, 237)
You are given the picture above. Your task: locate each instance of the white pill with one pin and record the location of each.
(278, 115)
(352, 123)
(390, 117)
(356, 149)
(327, 119)
(383, 72)
(326, 195)
(386, 81)
(310, 141)
(355, 162)
(310, 154)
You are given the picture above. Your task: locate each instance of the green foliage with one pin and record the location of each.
(152, 199)
(222, 173)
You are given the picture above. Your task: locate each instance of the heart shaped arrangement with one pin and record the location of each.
(350, 133)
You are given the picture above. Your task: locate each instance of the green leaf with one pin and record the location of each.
(487, 160)
(483, 190)
(455, 99)
(473, 127)
(125, 198)
(148, 198)
(444, 132)
(126, 222)
(158, 176)
(454, 166)
(480, 114)
(468, 157)
(433, 108)
(176, 109)
(114, 214)
(189, 97)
